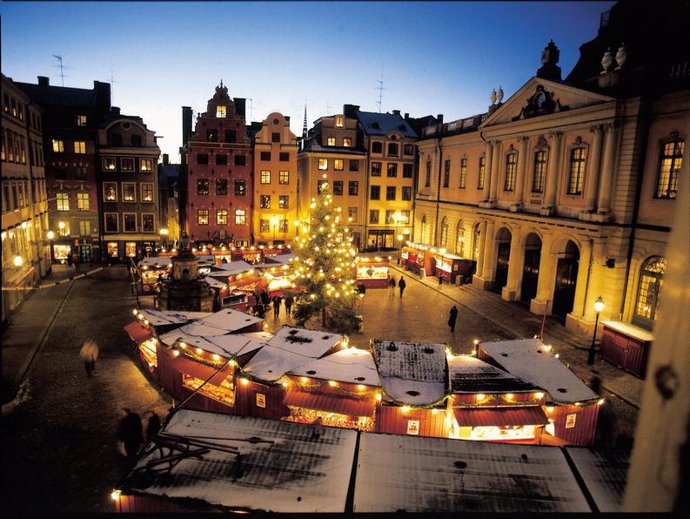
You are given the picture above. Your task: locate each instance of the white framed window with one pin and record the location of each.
(323, 164)
(58, 146)
(221, 111)
(110, 191)
(240, 217)
(83, 201)
(331, 141)
(109, 164)
(129, 192)
(111, 222)
(148, 222)
(127, 164)
(146, 165)
(146, 191)
(80, 147)
(130, 222)
(265, 176)
(63, 201)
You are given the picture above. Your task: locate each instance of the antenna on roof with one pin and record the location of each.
(380, 89)
(112, 89)
(62, 69)
(251, 109)
(328, 108)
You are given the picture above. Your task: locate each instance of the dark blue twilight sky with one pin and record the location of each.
(435, 57)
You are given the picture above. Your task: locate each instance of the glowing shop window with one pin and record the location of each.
(224, 393)
(503, 432)
(131, 249)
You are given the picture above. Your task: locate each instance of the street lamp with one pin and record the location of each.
(598, 307)
(18, 261)
(274, 224)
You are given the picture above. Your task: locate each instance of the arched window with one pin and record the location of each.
(422, 235)
(444, 232)
(648, 289)
(460, 239)
(476, 235)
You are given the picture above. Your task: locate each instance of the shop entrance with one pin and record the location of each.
(566, 282)
(530, 271)
(85, 253)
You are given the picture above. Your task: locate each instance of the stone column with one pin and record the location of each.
(597, 283)
(553, 173)
(606, 181)
(583, 279)
(487, 170)
(482, 244)
(521, 173)
(543, 301)
(594, 170)
(515, 262)
(495, 167)
(487, 254)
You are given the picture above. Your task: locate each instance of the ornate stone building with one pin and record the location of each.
(275, 181)
(565, 192)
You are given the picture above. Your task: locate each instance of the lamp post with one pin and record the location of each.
(598, 307)
(442, 250)
(274, 224)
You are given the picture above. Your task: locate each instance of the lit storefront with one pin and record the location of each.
(372, 272)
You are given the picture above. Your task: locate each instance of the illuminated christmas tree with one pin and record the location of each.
(324, 267)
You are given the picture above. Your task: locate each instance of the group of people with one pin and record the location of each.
(263, 301)
(401, 285)
(131, 433)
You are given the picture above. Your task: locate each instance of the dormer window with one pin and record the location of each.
(339, 121)
(221, 111)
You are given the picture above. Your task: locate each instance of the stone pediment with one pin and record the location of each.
(539, 97)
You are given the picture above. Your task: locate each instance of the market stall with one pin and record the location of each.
(453, 268)
(151, 270)
(418, 258)
(626, 346)
(373, 272)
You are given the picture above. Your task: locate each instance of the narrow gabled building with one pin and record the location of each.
(389, 141)
(128, 187)
(275, 181)
(331, 151)
(217, 159)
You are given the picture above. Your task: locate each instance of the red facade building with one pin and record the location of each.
(218, 176)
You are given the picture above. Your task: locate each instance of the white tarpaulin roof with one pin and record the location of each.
(530, 360)
(289, 349)
(351, 366)
(419, 474)
(163, 317)
(227, 346)
(229, 269)
(220, 323)
(214, 283)
(411, 373)
(155, 261)
(293, 468)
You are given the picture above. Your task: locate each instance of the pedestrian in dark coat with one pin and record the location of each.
(401, 286)
(260, 310)
(440, 279)
(153, 426)
(131, 434)
(288, 305)
(265, 300)
(276, 306)
(453, 317)
(391, 284)
(88, 354)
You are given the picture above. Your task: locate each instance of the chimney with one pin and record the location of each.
(166, 159)
(439, 118)
(350, 111)
(396, 112)
(103, 100)
(43, 81)
(407, 116)
(240, 104)
(186, 124)
(287, 119)
(115, 110)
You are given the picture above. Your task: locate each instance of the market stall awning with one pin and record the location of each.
(351, 406)
(497, 416)
(138, 332)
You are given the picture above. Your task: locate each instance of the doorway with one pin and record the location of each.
(530, 271)
(502, 260)
(566, 282)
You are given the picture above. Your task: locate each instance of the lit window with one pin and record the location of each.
(240, 217)
(578, 156)
(221, 216)
(284, 177)
(81, 120)
(331, 141)
(347, 142)
(129, 192)
(265, 201)
(481, 174)
(127, 164)
(109, 164)
(146, 192)
(84, 228)
(221, 111)
(63, 201)
(374, 216)
(82, 201)
(670, 162)
(339, 121)
(539, 172)
(352, 214)
(58, 146)
(146, 165)
(338, 164)
(463, 173)
(240, 187)
(264, 225)
(130, 222)
(283, 226)
(80, 147)
(392, 169)
(147, 222)
(283, 201)
(110, 191)
(131, 249)
(202, 216)
(511, 169)
(323, 164)
(648, 290)
(265, 176)
(202, 186)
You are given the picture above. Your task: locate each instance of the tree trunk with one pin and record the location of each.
(323, 316)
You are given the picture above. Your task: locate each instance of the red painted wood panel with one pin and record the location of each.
(392, 419)
(583, 431)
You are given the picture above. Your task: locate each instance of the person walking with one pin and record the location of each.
(440, 279)
(152, 426)
(265, 299)
(401, 286)
(88, 354)
(276, 306)
(131, 434)
(288, 305)
(391, 284)
(453, 317)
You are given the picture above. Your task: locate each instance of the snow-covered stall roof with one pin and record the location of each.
(530, 360)
(604, 473)
(353, 366)
(227, 346)
(155, 261)
(167, 317)
(411, 373)
(470, 375)
(214, 283)
(291, 468)
(229, 269)
(289, 349)
(421, 474)
(221, 322)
